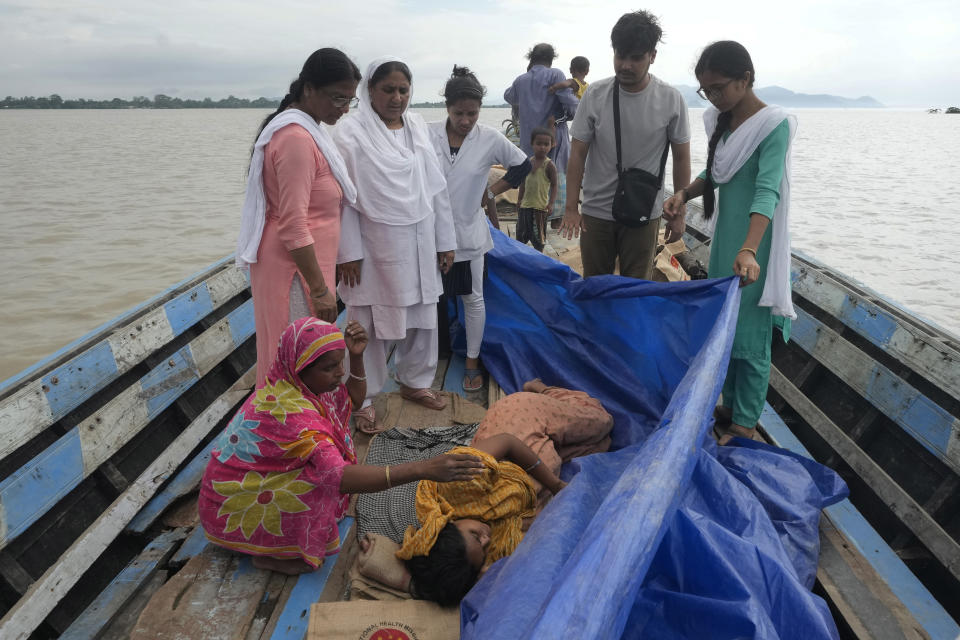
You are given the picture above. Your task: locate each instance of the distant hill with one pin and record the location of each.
(787, 98)
(441, 105)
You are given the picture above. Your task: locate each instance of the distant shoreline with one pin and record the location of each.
(159, 101)
(166, 102)
(794, 101)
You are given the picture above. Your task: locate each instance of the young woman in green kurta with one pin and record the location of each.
(743, 236)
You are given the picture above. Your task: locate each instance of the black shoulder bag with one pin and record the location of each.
(637, 189)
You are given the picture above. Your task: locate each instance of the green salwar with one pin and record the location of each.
(755, 188)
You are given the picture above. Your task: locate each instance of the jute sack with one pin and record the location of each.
(383, 620)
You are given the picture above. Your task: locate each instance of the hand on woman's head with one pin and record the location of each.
(452, 467)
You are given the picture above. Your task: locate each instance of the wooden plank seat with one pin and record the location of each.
(80, 434)
(39, 484)
(40, 599)
(111, 600)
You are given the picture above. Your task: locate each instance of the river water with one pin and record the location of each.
(101, 210)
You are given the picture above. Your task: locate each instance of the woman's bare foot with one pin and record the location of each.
(534, 386)
(292, 567)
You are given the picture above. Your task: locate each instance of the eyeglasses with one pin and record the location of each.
(342, 101)
(714, 92)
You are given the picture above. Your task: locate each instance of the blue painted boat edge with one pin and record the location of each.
(862, 290)
(855, 528)
(295, 617)
(180, 485)
(929, 424)
(31, 371)
(195, 543)
(48, 477)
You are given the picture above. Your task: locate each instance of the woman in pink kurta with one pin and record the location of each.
(296, 186)
(303, 210)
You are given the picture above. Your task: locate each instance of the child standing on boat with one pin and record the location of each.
(538, 192)
(748, 158)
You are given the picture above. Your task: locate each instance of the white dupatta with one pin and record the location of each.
(729, 157)
(395, 185)
(255, 203)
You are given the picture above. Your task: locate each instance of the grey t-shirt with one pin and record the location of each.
(648, 119)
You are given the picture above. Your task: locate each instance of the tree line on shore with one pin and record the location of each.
(159, 101)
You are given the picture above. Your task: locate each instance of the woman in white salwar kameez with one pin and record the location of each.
(466, 151)
(396, 239)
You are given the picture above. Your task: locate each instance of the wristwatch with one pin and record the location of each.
(490, 195)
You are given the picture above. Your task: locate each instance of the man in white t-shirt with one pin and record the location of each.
(652, 115)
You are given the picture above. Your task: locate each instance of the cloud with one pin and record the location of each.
(899, 53)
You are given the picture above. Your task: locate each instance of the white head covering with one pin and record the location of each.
(730, 155)
(255, 203)
(395, 185)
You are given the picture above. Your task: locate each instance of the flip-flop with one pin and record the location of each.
(366, 420)
(720, 418)
(722, 431)
(470, 374)
(426, 397)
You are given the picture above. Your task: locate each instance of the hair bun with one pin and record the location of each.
(460, 72)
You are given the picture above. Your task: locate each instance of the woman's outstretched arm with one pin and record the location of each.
(507, 447)
(365, 478)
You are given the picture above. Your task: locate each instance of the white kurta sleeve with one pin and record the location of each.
(446, 235)
(351, 243)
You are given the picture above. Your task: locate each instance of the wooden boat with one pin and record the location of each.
(101, 442)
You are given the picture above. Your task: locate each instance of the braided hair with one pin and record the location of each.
(324, 67)
(463, 85)
(731, 60)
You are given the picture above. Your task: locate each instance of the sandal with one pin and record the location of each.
(426, 397)
(470, 374)
(724, 434)
(366, 420)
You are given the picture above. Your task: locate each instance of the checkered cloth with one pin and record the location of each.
(390, 512)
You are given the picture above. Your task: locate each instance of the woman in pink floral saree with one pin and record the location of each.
(280, 475)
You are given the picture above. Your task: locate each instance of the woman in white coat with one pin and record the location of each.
(466, 151)
(396, 239)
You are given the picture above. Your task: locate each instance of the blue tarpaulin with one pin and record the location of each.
(667, 535)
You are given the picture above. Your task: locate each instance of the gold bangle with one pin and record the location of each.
(387, 471)
(753, 251)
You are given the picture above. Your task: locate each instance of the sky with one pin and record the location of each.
(904, 54)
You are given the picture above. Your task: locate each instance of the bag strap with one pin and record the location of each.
(663, 162)
(616, 128)
(616, 120)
